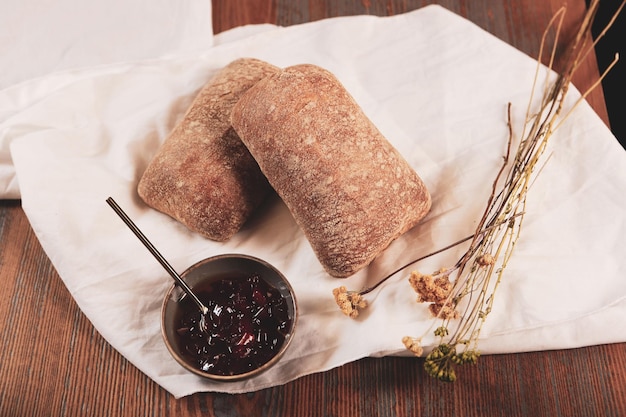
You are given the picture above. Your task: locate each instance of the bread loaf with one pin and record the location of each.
(347, 187)
(203, 175)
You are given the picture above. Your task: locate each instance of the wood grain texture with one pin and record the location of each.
(54, 363)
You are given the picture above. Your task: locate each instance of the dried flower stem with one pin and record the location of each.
(428, 255)
(479, 271)
(474, 289)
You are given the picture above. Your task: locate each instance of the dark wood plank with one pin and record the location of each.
(53, 362)
(233, 13)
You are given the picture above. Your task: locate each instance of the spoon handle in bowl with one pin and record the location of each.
(153, 250)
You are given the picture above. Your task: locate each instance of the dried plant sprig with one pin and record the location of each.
(349, 301)
(479, 271)
(413, 344)
(364, 291)
(441, 361)
(435, 289)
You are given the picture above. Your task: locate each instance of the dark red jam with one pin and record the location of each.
(246, 325)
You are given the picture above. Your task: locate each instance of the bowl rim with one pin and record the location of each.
(237, 377)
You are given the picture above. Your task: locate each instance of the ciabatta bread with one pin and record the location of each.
(348, 188)
(203, 176)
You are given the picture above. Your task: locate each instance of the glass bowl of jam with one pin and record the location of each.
(250, 320)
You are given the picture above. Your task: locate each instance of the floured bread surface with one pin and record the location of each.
(203, 175)
(348, 188)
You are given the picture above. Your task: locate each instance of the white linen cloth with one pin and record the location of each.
(437, 86)
(38, 38)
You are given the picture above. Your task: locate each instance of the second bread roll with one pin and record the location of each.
(348, 188)
(203, 176)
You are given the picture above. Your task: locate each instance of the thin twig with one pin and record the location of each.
(438, 251)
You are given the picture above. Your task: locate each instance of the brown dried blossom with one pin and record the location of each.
(492, 244)
(349, 301)
(443, 311)
(435, 290)
(413, 344)
(486, 259)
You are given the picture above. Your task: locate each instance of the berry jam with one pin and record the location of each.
(246, 325)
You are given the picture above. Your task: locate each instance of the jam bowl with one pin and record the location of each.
(249, 324)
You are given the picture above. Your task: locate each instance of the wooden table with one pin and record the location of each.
(53, 362)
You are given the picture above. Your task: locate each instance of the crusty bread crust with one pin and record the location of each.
(348, 188)
(203, 176)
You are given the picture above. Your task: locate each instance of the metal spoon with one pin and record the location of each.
(203, 309)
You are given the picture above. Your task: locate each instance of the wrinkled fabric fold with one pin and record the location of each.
(45, 43)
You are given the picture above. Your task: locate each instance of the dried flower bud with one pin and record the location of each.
(486, 259)
(469, 356)
(443, 311)
(439, 363)
(441, 331)
(435, 290)
(413, 344)
(349, 301)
